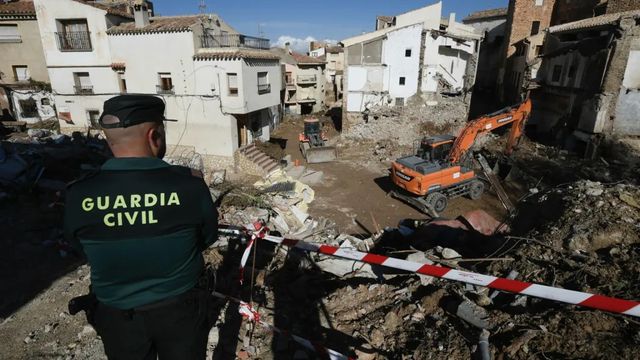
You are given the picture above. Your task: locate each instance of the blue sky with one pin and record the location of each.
(323, 19)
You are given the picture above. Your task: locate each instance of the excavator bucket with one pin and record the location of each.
(318, 154)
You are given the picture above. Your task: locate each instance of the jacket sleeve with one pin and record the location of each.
(209, 218)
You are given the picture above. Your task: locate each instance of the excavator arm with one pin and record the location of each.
(516, 115)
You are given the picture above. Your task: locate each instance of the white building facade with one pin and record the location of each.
(221, 88)
(413, 53)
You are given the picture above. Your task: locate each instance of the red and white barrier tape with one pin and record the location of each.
(572, 297)
(252, 315)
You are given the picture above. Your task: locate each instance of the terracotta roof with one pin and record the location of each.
(18, 8)
(117, 9)
(158, 25)
(236, 55)
(304, 59)
(486, 14)
(603, 20)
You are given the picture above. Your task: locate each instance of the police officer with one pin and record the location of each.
(142, 224)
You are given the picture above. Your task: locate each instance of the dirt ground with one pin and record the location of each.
(354, 195)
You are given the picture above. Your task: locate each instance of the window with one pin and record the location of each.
(372, 52)
(263, 83)
(73, 35)
(9, 33)
(354, 54)
(122, 82)
(93, 117)
(28, 108)
(402, 80)
(538, 50)
(288, 76)
(165, 83)
(572, 72)
(232, 82)
(557, 73)
(21, 73)
(407, 53)
(535, 28)
(82, 83)
(45, 102)
(539, 2)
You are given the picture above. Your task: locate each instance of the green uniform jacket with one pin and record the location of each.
(142, 224)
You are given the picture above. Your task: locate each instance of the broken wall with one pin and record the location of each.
(628, 106)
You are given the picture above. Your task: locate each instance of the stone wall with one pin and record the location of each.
(615, 6)
(521, 15)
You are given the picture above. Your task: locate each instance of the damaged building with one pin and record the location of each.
(24, 90)
(304, 81)
(415, 53)
(222, 87)
(589, 80)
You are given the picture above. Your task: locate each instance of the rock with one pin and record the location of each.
(450, 254)
(629, 200)
(534, 191)
(87, 332)
(366, 352)
(594, 191)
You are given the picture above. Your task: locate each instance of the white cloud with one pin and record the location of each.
(298, 44)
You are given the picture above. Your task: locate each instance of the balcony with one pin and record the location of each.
(74, 41)
(165, 90)
(83, 90)
(234, 41)
(264, 88)
(307, 79)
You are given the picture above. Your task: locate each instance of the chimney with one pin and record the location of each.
(286, 47)
(452, 19)
(141, 15)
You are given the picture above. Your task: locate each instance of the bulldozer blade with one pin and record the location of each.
(321, 154)
(416, 202)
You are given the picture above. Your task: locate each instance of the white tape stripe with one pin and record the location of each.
(402, 264)
(551, 293)
(469, 277)
(634, 311)
(350, 254)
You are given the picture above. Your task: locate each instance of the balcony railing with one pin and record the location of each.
(234, 41)
(161, 89)
(74, 41)
(264, 88)
(307, 79)
(10, 38)
(83, 89)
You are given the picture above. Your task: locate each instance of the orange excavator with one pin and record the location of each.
(437, 172)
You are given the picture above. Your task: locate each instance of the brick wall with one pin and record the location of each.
(615, 6)
(522, 14)
(573, 10)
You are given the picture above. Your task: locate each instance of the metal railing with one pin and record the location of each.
(8, 38)
(74, 41)
(264, 88)
(83, 89)
(234, 41)
(161, 89)
(307, 79)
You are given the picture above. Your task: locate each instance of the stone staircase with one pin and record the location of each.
(264, 162)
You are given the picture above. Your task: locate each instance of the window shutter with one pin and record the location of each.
(233, 81)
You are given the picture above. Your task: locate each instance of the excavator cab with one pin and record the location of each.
(436, 148)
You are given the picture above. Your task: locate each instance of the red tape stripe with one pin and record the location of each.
(514, 286)
(432, 270)
(608, 303)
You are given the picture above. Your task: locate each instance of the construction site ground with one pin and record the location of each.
(576, 227)
(354, 191)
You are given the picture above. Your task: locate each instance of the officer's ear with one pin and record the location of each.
(155, 137)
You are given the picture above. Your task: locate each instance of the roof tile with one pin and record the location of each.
(236, 54)
(18, 8)
(157, 25)
(486, 14)
(608, 19)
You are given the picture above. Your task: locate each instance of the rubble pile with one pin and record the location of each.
(404, 125)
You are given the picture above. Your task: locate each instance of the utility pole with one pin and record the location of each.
(202, 7)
